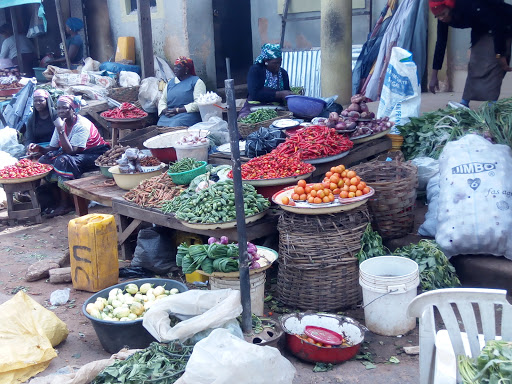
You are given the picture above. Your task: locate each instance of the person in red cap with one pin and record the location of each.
(491, 29)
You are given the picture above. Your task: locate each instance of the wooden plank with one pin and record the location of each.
(81, 205)
(24, 214)
(129, 230)
(62, 28)
(94, 188)
(145, 38)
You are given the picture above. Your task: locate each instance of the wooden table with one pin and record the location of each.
(96, 188)
(129, 216)
(19, 211)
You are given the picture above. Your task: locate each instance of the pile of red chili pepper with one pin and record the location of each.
(273, 166)
(314, 142)
(23, 168)
(125, 111)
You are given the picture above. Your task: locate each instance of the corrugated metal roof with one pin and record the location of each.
(303, 68)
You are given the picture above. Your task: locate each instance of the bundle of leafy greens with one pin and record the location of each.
(159, 363)
(492, 366)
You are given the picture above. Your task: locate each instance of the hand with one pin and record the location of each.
(282, 94)
(434, 83)
(59, 124)
(34, 148)
(504, 65)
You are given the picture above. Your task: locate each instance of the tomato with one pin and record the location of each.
(302, 183)
(285, 200)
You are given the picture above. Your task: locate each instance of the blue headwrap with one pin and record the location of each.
(75, 24)
(268, 52)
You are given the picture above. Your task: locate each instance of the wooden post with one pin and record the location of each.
(15, 31)
(146, 39)
(283, 21)
(62, 30)
(76, 8)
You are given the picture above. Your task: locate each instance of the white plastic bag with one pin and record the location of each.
(222, 358)
(210, 309)
(475, 199)
(9, 142)
(429, 226)
(149, 94)
(128, 79)
(427, 168)
(60, 296)
(400, 98)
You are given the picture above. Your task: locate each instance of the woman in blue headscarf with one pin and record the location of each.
(74, 43)
(267, 82)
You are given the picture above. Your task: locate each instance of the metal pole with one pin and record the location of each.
(58, 8)
(228, 68)
(245, 286)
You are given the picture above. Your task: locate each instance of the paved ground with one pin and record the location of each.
(20, 246)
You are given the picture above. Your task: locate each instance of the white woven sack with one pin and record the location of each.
(475, 201)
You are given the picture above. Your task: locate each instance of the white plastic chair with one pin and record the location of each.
(488, 302)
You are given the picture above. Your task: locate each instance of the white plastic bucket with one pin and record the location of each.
(389, 284)
(210, 110)
(257, 289)
(198, 152)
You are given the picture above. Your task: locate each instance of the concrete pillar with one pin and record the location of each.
(336, 45)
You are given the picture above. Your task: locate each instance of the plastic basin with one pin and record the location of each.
(304, 106)
(131, 180)
(162, 146)
(114, 336)
(104, 171)
(184, 178)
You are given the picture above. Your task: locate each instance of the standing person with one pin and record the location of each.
(491, 29)
(9, 51)
(267, 82)
(39, 127)
(74, 43)
(177, 106)
(74, 147)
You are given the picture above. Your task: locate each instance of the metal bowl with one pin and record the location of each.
(295, 323)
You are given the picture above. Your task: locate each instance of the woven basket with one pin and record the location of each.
(317, 265)
(246, 129)
(392, 206)
(125, 94)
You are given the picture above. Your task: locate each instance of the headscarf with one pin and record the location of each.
(75, 24)
(188, 63)
(269, 52)
(42, 93)
(438, 6)
(72, 101)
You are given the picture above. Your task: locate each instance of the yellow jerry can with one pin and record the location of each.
(93, 252)
(125, 49)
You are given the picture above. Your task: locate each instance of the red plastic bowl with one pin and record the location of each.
(295, 323)
(162, 146)
(165, 155)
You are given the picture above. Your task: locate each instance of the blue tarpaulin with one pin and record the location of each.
(12, 3)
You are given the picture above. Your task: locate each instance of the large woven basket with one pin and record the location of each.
(246, 129)
(318, 269)
(392, 206)
(125, 94)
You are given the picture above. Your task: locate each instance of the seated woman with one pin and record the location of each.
(74, 43)
(267, 82)
(39, 126)
(74, 147)
(178, 106)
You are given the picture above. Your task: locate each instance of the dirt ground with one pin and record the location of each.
(22, 245)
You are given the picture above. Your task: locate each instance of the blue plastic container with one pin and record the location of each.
(305, 107)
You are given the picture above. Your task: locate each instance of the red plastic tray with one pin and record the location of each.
(323, 335)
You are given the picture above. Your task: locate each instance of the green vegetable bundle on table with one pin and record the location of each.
(216, 256)
(258, 116)
(184, 165)
(492, 366)
(215, 204)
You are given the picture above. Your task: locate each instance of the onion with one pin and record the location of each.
(354, 114)
(341, 125)
(334, 116)
(365, 115)
(351, 125)
(372, 115)
(331, 124)
(356, 99)
(344, 113)
(364, 107)
(353, 108)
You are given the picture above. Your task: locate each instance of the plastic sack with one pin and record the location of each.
(429, 226)
(427, 168)
(90, 65)
(263, 141)
(222, 358)
(118, 67)
(218, 129)
(401, 94)
(475, 199)
(162, 69)
(128, 79)
(9, 142)
(60, 296)
(153, 251)
(210, 309)
(29, 333)
(37, 25)
(149, 94)
(6, 159)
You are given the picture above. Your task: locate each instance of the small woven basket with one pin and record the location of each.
(125, 94)
(392, 206)
(246, 129)
(318, 269)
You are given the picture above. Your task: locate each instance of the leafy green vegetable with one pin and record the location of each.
(371, 245)
(159, 363)
(259, 116)
(185, 164)
(226, 265)
(322, 367)
(492, 366)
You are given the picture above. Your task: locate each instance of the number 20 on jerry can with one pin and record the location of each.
(93, 252)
